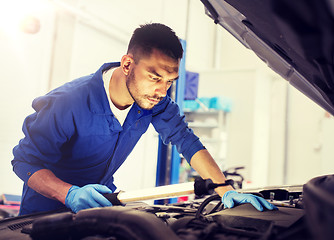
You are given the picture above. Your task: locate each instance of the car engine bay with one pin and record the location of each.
(200, 218)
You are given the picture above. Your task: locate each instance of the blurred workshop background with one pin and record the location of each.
(247, 115)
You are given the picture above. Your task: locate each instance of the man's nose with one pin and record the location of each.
(162, 88)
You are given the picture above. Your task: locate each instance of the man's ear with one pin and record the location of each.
(126, 62)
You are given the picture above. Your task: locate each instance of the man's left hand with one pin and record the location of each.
(232, 198)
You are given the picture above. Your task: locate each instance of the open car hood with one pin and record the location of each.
(294, 38)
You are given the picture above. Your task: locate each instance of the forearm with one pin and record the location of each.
(206, 167)
(48, 185)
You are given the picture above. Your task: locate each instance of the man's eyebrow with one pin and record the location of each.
(152, 71)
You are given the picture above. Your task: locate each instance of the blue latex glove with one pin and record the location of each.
(232, 198)
(89, 196)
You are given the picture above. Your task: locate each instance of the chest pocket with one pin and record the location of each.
(99, 125)
(94, 137)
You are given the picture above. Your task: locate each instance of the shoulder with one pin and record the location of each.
(166, 107)
(65, 95)
(166, 104)
(86, 92)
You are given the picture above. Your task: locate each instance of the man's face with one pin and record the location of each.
(150, 78)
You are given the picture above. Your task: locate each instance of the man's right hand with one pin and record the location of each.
(89, 196)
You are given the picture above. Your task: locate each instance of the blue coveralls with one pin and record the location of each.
(74, 134)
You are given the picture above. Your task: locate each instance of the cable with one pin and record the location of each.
(206, 202)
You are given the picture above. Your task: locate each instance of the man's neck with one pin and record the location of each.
(118, 90)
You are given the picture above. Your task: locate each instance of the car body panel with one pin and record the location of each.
(294, 38)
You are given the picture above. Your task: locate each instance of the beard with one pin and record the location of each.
(142, 100)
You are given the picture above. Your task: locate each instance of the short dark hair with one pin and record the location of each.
(154, 36)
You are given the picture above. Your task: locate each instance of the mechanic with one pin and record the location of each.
(82, 132)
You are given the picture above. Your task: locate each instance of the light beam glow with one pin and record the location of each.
(17, 15)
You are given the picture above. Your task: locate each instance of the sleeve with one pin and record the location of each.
(172, 128)
(45, 131)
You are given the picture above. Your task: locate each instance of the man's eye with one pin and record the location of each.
(154, 78)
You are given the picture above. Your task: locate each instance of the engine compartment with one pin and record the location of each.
(201, 218)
